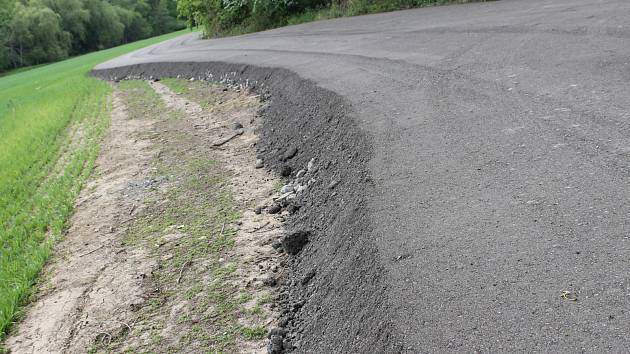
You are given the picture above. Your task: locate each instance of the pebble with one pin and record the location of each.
(286, 189)
(258, 210)
(237, 126)
(311, 167)
(333, 184)
(300, 174)
(259, 163)
(274, 209)
(286, 196)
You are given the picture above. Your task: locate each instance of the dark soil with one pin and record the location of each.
(342, 306)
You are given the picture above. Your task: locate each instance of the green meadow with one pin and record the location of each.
(52, 119)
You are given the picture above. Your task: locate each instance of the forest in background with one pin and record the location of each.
(39, 31)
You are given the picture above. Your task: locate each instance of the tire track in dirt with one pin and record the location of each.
(97, 288)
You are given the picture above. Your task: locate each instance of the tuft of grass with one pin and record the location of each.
(52, 119)
(177, 86)
(252, 333)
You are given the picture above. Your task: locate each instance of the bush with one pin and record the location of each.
(232, 16)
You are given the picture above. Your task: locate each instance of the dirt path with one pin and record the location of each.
(165, 252)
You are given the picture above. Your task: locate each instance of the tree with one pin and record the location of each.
(37, 31)
(105, 28)
(74, 18)
(36, 36)
(6, 12)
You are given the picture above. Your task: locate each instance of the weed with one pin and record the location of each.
(252, 333)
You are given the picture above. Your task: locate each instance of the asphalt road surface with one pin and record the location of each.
(501, 135)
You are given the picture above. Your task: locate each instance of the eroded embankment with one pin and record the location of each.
(335, 298)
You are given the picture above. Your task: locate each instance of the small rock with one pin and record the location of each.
(290, 153)
(300, 189)
(300, 174)
(276, 244)
(259, 163)
(258, 210)
(225, 89)
(333, 184)
(286, 189)
(294, 242)
(286, 196)
(311, 165)
(192, 79)
(237, 126)
(274, 209)
(285, 171)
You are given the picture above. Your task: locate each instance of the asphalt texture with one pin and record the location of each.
(483, 154)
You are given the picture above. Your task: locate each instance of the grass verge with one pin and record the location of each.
(52, 119)
(188, 225)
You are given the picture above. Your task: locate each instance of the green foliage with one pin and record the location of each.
(38, 31)
(43, 163)
(37, 36)
(220, 17)
(74, 18)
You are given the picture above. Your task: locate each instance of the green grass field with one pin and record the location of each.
(52, 119)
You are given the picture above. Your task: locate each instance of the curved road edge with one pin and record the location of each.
(334, 299)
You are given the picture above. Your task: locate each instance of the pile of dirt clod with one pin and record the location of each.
(335, 297)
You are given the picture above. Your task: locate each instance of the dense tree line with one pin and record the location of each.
(39, 31)
(218, 16)
(235, 16)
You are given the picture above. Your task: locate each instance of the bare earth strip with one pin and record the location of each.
(99, 291)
